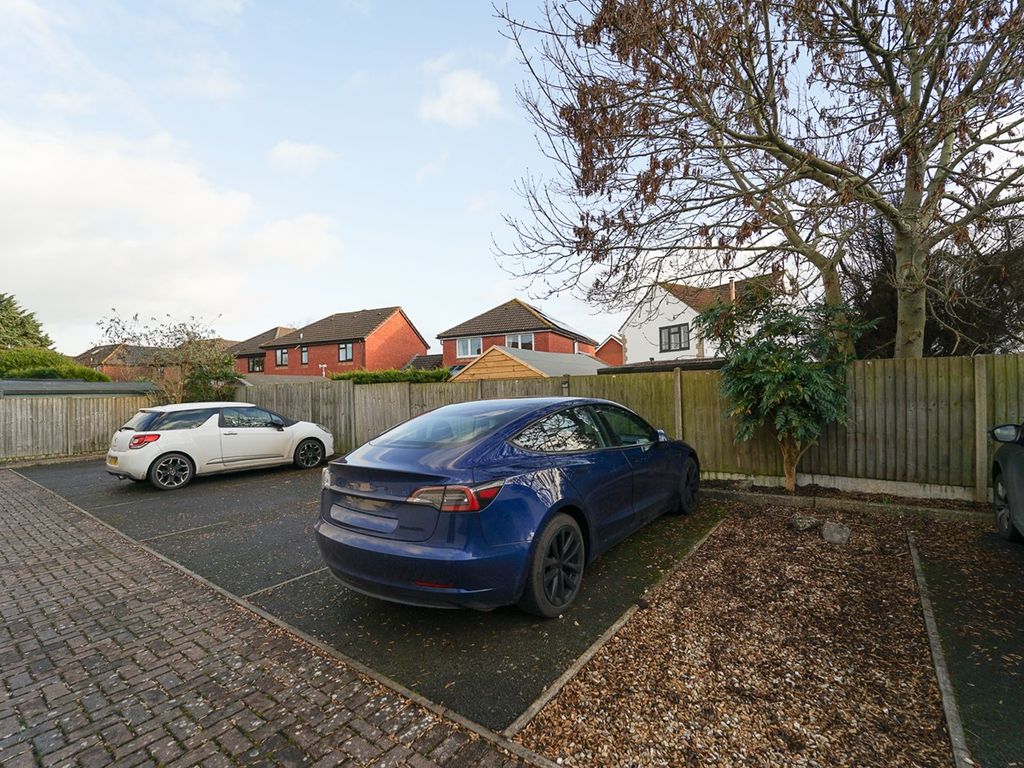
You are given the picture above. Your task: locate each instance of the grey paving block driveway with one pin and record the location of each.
(109, 655)
(252, 534)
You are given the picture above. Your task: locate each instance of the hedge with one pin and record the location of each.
(21, 358)
(57, 372)
(416, 376)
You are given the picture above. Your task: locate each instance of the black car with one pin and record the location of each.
(1008, 480)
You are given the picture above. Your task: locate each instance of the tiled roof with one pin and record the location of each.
(661, 366)
(252, 346)
(343, 326)
(425, 362)
(117, 354)
(612, 338)
(511, 317)
(705, 298)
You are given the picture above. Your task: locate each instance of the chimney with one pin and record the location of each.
(732, 291)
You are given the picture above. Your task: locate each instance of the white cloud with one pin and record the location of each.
(210, 78)
(442, 63)
(68, 102)
(462, 98)
(483, 202)
(296, 158)
(307, 241)
(212, 11)
(431, 168)
(93, 222)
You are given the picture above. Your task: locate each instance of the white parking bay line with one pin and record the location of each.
(286, 581)
(185, 530)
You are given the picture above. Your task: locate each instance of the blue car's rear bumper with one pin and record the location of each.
(421, 574)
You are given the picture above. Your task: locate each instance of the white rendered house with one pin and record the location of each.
(661, 326)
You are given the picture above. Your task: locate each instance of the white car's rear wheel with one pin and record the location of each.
(171, 471)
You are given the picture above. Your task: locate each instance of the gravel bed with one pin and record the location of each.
(768, 647)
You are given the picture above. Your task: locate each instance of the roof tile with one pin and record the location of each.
(513, 316)
(343, 326)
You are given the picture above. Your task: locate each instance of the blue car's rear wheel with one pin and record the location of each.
(556, 568)
(689, 486)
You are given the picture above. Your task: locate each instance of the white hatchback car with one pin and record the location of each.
(170, 444)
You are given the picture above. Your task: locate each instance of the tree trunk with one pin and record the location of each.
(911, 272)
(790, 457)
(834, 298)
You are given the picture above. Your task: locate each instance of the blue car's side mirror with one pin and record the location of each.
(662, 437)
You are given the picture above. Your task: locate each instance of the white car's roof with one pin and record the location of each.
(196, 406)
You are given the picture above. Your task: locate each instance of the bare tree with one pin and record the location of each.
(695, 137)
(187, 361)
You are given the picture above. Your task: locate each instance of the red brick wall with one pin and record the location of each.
(543, 341)
(242, 364)
(318, 353)
(611, 353)
(393, 344)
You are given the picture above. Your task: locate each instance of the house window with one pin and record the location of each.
(470, 347)
(675, 338)
(519, 340)
(280, 357)
(304, 355)
(345, 352)
(255, 364)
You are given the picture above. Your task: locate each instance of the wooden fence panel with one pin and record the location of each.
(652, 395)
(427, 397)
(37, 427)
(910, 421)
(378, 407)
(495, 389)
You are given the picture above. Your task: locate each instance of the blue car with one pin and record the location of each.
(496, 502)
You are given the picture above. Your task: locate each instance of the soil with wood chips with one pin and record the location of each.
(768, 647)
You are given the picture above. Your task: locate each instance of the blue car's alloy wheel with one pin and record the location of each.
(556, 568)
(689, 487)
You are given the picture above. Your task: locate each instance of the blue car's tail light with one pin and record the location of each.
(457, 498)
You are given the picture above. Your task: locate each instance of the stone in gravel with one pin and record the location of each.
(803, 522)
(835, 533)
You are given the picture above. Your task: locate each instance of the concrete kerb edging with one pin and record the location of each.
(438, 709)
(831, 502)
(961, 754)
(552, 690)
(45, 460)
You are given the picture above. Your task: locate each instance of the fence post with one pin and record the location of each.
(981, 468)
(565, 385)
(679, 403)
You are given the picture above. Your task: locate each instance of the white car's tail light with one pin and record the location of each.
(138, 441)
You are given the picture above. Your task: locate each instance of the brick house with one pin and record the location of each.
(368, 339)
(610, 351)
(249, 357)
(123, 362)
(514, 324)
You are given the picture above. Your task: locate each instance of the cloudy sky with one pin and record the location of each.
(260, 163)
